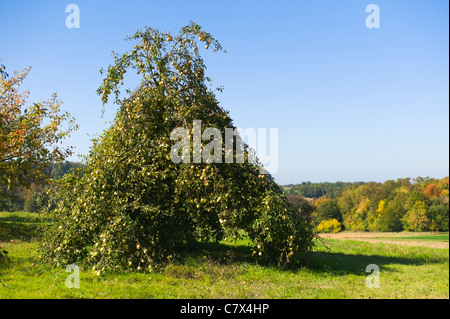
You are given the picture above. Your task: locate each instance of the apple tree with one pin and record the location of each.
(131, 206)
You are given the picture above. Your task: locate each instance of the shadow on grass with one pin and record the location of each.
(221, 253)
(343, 264)
(337, 263)
(19, 228)
(17, 231)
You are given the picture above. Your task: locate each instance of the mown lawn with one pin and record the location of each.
(224, 271)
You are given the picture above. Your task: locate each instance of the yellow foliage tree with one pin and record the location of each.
(329, 226)
(416, 219)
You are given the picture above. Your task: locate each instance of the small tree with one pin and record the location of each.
(29, 135)
(132, 207)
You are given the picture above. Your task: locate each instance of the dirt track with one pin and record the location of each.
(375, 238)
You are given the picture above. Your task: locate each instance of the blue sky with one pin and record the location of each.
(350, 103)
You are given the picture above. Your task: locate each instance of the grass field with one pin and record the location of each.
(439, 237)
(224, 271)
(426, 239)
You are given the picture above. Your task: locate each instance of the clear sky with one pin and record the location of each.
(350, 103)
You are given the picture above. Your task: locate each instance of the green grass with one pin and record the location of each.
(438, 237)
(224, 271)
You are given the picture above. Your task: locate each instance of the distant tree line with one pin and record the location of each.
(419, 204)
(316, 190)
(30, 199)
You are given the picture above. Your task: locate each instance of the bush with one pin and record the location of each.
(329, 226)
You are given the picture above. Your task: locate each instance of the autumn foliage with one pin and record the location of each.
(30, 135)
(420, 204)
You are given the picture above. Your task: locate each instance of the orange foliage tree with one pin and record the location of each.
(432, 190)
(30, 135)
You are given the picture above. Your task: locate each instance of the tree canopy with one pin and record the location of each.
(416, 205)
